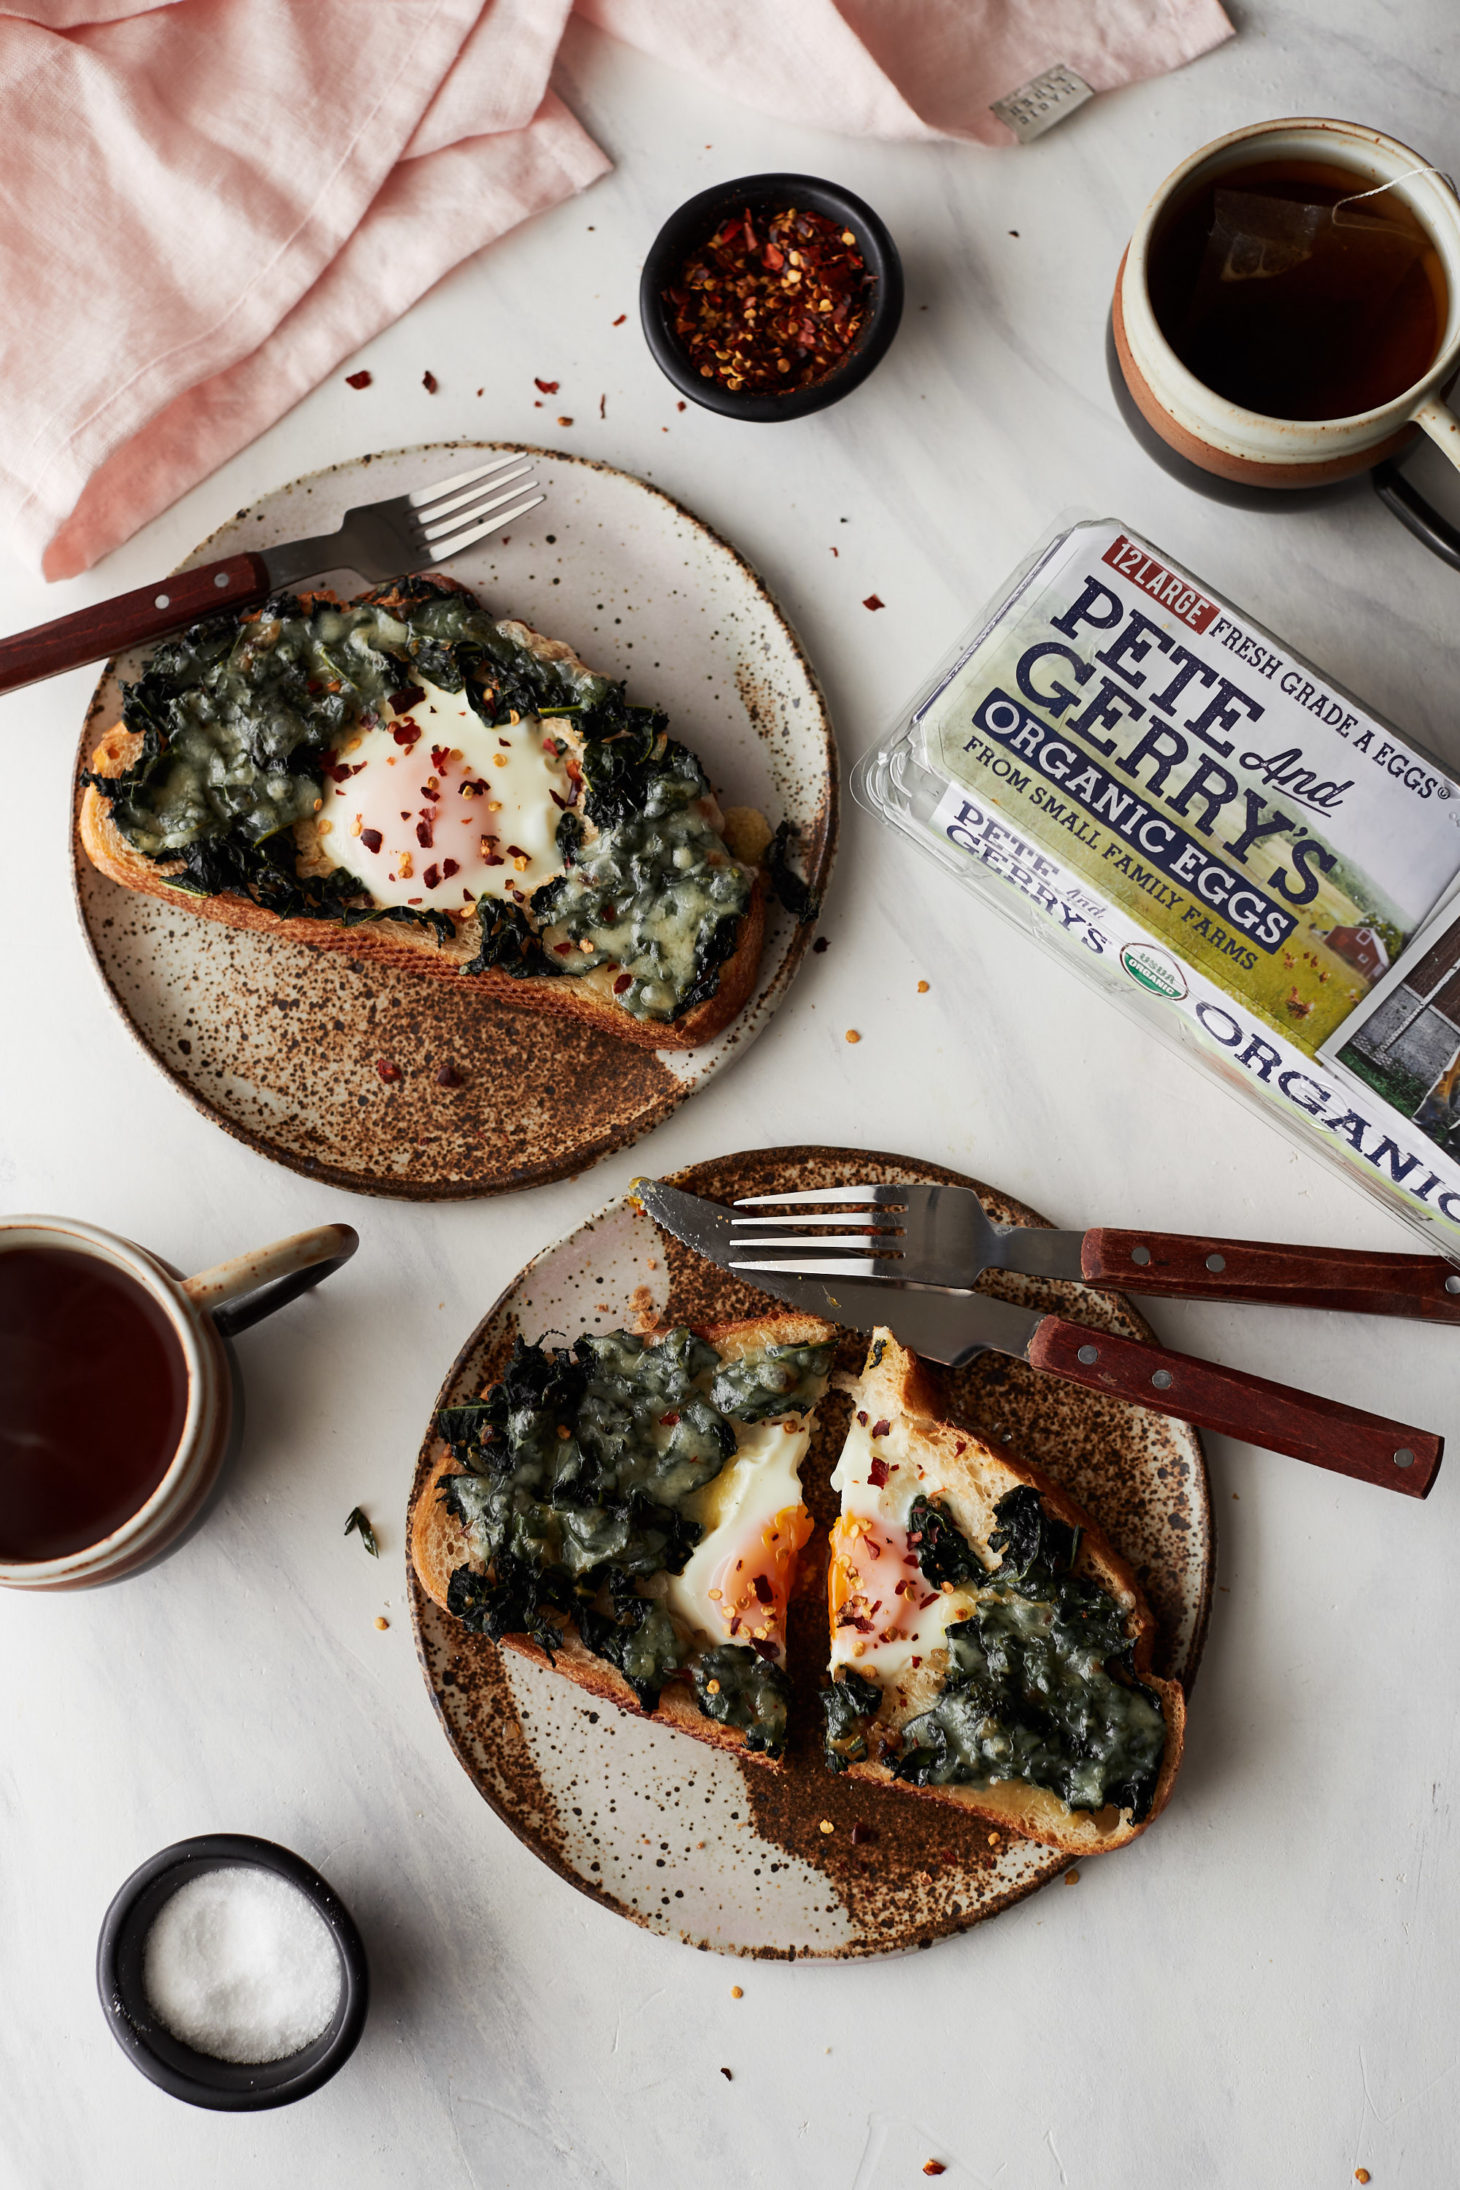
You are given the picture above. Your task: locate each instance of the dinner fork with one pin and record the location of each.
(943, 1236)
(381, 540)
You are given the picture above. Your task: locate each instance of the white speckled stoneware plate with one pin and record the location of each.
(689, 1840)
(279, 1044)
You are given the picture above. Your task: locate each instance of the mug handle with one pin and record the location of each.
(1403, 498)
(242, 1292)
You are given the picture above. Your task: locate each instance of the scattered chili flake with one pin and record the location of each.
(763, 1648)
(763, 1589)
(430, 383)
(877, 1473)
(822, 943)
(669, 1421)
(406, 733)
(409, 696)
(772, 300)
(562, 950)
(727, 2075)
(449, 867)
(546, 387)
(934, 2167)
(881, 1427)
(358, 380)
(371, 839)
(618, 323)
(874, 600)
(565, 421)
(440, 758)
(423, 835)
(624, 981)
(681, 406)
(448, 1076)
(603, 406)
(388, 1072)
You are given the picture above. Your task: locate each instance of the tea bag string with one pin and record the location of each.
(1356, 197)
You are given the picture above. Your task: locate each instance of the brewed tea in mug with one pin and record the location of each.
(1284, 287)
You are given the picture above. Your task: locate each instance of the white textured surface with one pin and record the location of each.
(1264, 1990)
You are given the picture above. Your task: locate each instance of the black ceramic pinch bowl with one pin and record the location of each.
(696, 221)
(232, 2087)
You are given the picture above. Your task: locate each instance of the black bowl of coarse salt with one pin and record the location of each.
(232, 1974)
(771, 296)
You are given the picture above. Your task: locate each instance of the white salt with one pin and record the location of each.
(239, 1964)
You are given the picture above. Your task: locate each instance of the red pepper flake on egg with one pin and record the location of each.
(361, 379)
(763, 1590)
(546, 387)
(880, 1429)
(624, 981)
(371, 839)
(423, 835)
(873, 600)
(877, 1473)
(430, 383)
(405, 732)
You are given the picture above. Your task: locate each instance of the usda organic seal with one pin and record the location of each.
(1153, 970)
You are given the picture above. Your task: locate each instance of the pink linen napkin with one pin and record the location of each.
(210, 204)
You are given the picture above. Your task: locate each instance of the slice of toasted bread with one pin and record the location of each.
(897, 1404)
(414, 950)
(440, 1545)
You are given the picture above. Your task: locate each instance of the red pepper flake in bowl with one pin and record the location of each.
(358, 380)
(773, 300)
(430, 383)
(874, 600)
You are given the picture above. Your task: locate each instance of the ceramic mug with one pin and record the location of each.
(1227, 446)
(204, 1313)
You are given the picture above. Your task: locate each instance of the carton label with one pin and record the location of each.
(1195, 781)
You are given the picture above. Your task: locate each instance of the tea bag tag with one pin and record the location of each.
(1046, 99)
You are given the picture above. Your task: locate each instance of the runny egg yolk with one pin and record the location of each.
(753, 1584)
(431, 806)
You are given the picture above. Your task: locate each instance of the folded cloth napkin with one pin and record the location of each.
(211, 203)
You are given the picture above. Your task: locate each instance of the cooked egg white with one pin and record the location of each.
(754, 1525)
(431, 807)
(886, 1617)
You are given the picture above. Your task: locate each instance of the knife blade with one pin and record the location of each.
(953, 1328)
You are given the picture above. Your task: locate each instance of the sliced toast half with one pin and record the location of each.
(723, 1592)
(1047, 1668)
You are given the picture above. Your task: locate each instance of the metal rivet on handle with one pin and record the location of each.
(1404, 1458)
(1216, 1264)
(1162, 1380)
(1452, 1285)
(221, 579)
(1142, 1255)
(164, 600)
(1088, 1354)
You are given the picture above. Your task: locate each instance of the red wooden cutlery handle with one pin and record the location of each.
(1318, 1430)
(131, 619)
(1425, 1286)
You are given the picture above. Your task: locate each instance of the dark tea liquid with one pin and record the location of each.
(1282, 290)
(93, 1396)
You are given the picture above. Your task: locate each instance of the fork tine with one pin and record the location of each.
(442, 551)
(862, 1219)
(441, 515)
(882, 1196)
(847, 1266)
(424, 496)
(858, 1244)
(492, 494)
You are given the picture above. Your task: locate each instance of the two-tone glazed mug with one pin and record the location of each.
(120, 1400)
(1246, 455)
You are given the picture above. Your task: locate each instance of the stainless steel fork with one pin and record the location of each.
(943, 1236)
(381, 540)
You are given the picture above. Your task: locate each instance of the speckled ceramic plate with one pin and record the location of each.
(686, 1839)
(279, 1043)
